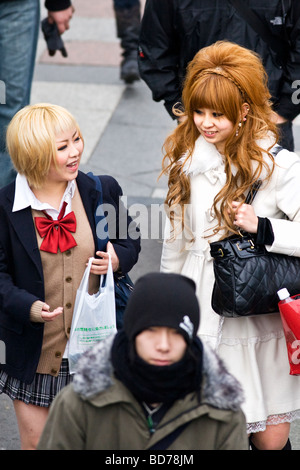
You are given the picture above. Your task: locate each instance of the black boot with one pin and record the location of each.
(288, 445)
(128, 28)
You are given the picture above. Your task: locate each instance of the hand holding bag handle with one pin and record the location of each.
(94, 316)
(247, 276)
(84, 288)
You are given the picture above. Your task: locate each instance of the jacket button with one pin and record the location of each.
(68, 305)
(68, 253)
(68, 279)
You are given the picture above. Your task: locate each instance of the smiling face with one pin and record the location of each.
(214, 104)
(160, 346)
(213, 126)
(69, 148)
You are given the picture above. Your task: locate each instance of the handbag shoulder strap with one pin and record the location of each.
(253, 191)
(255, 187)
(97, 181)
(276, 44)
(165, 443)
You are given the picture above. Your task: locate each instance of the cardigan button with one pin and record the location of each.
(68, 253)
(58, 354)
(53, 371)
(68, 279)
(68, 305)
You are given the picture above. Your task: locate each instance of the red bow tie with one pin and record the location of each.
(56, 233)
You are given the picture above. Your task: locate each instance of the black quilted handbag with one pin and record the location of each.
(247, 276)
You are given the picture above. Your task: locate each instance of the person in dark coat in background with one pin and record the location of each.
(19, 31)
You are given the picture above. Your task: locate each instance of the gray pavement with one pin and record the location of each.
(124, 131)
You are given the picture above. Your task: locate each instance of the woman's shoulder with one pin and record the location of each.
(109, 181)
(109, 185)
(285, 158)
(7, 193)
(110, 188)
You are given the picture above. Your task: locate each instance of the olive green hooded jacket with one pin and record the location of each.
(97, 412)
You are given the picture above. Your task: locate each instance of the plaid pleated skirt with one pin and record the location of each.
(41, 391)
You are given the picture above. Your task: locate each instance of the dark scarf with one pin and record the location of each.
(157, 384)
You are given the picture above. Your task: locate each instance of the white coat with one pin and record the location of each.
(253, 348)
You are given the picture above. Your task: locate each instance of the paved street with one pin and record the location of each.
(123, 130)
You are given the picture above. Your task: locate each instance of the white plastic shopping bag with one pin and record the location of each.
(94, 316)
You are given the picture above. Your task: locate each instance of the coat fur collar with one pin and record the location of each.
(207, 160)
(205, 157)
(95, 375)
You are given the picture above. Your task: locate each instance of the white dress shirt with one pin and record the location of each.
(24, 197)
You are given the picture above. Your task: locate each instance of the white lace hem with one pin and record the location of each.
(273, 420)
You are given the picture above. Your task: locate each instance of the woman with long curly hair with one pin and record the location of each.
(225, 142)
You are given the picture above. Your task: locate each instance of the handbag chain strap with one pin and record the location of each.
(255, 187)
(253, 191)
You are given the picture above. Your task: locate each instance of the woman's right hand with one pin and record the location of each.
(245, 217)
(50, 316)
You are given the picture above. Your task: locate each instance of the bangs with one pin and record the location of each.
(58, 121)
(31, 139)
(215, 92)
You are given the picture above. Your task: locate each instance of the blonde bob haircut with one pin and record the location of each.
(31, 139)
(227, 78)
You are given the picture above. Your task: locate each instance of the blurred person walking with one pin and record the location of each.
(128, 18)
(19, 30)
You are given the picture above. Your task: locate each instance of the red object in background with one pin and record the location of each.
(290, 315)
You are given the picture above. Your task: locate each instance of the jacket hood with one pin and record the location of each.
(95, 375)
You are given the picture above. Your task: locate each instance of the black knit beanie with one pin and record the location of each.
(163, 299)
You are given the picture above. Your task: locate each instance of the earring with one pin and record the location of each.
(238, 129)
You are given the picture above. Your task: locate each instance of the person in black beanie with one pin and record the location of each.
(153, 385)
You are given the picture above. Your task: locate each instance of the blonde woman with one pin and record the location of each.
(41, 267)
(222, 146)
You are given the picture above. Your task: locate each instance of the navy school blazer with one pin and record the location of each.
(21, 273)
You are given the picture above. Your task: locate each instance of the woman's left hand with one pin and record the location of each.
(100, 265)
(245, 217)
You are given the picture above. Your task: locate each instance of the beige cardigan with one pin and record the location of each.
(62, 276)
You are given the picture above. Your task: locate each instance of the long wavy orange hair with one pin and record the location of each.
(222, 77)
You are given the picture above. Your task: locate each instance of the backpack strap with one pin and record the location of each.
(100, 221)
(165, 443)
